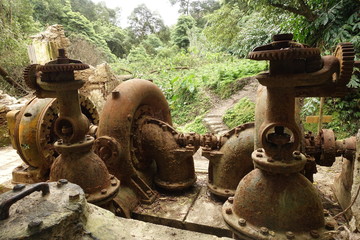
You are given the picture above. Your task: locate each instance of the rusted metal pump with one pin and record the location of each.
(77, 162)
(275, 201)
(33, 136)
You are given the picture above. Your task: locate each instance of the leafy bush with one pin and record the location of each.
(242, 112)
(196, 125)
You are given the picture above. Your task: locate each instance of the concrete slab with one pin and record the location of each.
(169, 209)
(205, 215)
(9, 160)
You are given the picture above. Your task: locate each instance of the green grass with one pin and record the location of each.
(242, 112)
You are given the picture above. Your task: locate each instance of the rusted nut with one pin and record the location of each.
(264, 230)
(290, 235)
(231, 200)
(35, 225)
(329, 226)
(115, 94)
(260, 150)
(242, 222)
(62, 182)
(228, 211)
(103, 191)
(314, 234)
(259, 155)
(74, 196)
(18, 187)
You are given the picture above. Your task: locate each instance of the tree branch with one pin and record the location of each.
(11, 81)
(303, 11)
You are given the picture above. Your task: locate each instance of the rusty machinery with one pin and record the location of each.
(139, 146)
(38, 130)
(32, 135)
(275, 201)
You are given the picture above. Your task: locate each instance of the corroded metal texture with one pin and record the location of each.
(324, 147)
(175, 165)
(119, 134)
(275, 201)
(32, 134)
(229, 164)
(128, 102)
(76, 162)
(271, 206)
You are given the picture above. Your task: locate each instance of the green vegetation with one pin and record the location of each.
(242, 112)
(201, 54)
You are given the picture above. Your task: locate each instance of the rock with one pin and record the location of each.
(99, 82)
(347, 185)
(45, 45)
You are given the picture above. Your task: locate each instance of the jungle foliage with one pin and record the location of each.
(201, 54)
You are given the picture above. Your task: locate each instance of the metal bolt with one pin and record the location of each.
(115, 94)
(231, 199)
(314, 234)
(34, 224)
(264, 230)
(290, 235)
(259, 155)
(62, 182)
(18, 187)
(228, 211)
(329, 226)
(149, 192)
(242, 222)
(74, 196)
(103, 191)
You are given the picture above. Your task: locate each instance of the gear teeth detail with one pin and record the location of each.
(346, 54)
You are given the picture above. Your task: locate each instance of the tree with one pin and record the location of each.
(180, 35)
(144, 22)
(197, 8)
(184, 5)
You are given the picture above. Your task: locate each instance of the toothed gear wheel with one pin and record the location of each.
(284, 54)
(345, 53)
(63, 67)
(283, 48)
(30, 76)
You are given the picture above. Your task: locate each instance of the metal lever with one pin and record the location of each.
(5, 206)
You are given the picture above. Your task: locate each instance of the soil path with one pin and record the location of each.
(213, 120)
